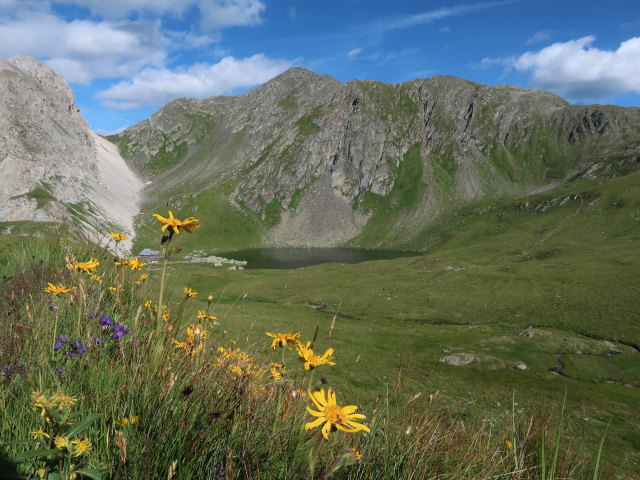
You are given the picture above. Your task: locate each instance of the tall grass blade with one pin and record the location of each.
(599, 457)
(556, 452)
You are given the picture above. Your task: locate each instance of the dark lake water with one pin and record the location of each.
(284, 258)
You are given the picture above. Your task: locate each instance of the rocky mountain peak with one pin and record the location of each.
(322, 162)
(59, 170)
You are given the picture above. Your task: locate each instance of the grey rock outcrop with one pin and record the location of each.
(54, 167)
(459, 359)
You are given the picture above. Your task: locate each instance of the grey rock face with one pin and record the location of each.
(54, 168)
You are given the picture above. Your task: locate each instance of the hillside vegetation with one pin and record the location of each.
(549, 282)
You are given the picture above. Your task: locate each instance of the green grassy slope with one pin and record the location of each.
(571, 273)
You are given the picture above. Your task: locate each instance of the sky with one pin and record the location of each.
(124, 59)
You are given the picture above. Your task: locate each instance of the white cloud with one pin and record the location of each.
(434, 15)
(445, 30)
(578, 71)
(83, 50)
(354, 53)
(539, 37)
(214, 14)
(154, 87)
(217, 14)
(10, 8)
(292, 12)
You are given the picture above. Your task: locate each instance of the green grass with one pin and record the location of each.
(307, 123)
(197, 412)
(41, 194)
(165, 159)
(555, 273)
(570, 273)
(227, 227)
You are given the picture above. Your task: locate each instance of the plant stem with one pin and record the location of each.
(163, 274)
(55, 329)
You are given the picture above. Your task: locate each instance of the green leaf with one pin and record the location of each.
(88, 420)
(596, 471)
(21, 457)
(89, 472)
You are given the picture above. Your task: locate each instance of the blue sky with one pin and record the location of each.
(125, 58)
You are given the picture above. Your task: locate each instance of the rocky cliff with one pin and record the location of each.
(54, 167)
(317, 162)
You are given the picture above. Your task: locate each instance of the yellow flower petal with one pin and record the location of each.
(325, 430)
(315, 423)
(314, 413)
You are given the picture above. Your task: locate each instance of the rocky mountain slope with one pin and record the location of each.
(303, 160)
(55, 168)
(307, 160)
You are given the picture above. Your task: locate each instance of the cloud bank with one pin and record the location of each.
(579, 71)
(156, 86)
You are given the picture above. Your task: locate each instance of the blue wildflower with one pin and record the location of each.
(61, 340)
(76, 349)
(119, 330)
(218, 470)
(6, 371)
(59, 371)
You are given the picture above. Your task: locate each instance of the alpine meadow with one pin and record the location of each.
(483, 321)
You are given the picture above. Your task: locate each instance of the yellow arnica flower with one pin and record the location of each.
(311, 360)
(190, 293)
(96, 278)
(143, 276)
(193, 343)
(122, 262)
(176, 225)
(332, 415)
(87, 267)
(276, 370)
(355, 455)
(57, 289)
(508, 444)
(40, 434)
(149, 305)
(61, 442)
(202, 315)
(128, 421)
(118, 237)
(136, 264)
(80, 447)
(63, 401)
(284, 339)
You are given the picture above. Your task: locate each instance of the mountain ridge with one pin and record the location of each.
(303, 160)
(304, 140)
